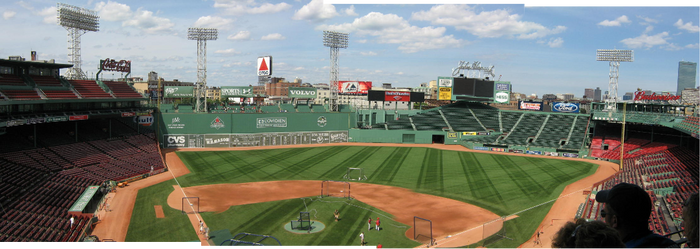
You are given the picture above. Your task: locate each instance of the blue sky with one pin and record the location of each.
(540, 49)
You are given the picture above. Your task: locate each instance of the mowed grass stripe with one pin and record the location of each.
(431, 171)
(283, 162)
(525, 182)
(303, 165)
(480, 184)
(240, 166)
(361, 223)
(351, 162)
(268, 220)
(387, 170)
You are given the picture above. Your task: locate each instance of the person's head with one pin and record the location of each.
(690, 218)
(627, 207)
(587, 234)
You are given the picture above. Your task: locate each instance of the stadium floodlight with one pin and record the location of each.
(201, 35)
(335, 41)
(77, 21)
(614, 56)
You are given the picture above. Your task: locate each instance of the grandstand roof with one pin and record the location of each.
(39, 64)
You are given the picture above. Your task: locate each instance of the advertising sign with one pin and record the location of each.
(302, 92)
(534, 152)
(354, 86)
(566, 107)
(175, 141)
(445, 93)
(264, 66)
(502, 97)
(178, 91)
(56, 119)
(481, 148)
(237, 91)
(527, 105)
(144, 120)
(128, 114)
(452, 135)
(444, 82)
(570, 155)
(641, 95)
(397, 96)
(498, 149)
(113, 65)
(271, 122)
(16, 122)
(78, 117)
(214, 140)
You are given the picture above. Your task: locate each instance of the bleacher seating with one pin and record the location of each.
(36, 191)
(690, 124)
(89, 89)
(556, 129)
(121, 89)
(46, 81)
(11, 80)
(460, 117)
(578, 134)
(14, 94)
(528, 127)
(60, 94)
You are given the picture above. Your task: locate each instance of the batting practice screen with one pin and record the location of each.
(422, 230)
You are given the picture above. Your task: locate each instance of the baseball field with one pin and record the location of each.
(501, 184)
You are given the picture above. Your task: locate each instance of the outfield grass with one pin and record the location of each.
(503, 184)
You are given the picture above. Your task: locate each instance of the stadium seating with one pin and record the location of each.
(11, 80)
(575, 140)
(121, 89)
(60, 94)
(89, 89)
(46, 81)
(21, 94)
(556, 129)
(529, 125)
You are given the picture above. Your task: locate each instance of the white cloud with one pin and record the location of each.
(616, 22)
(49, 15)
(672, 47)
(392, 29)
(645, 41)
(113, 11)
(555, 43)
(370, 53)
(686, 26)
(273, 36)
(350, 11)
(230, 51)
(240, 36)
(315, 11)
(8, 14)
(237, 7)
(695, 46)
(647, 20)
(216, 22)
(489, 24)
(362, 41)
(144, 20)
(298, 68)
(648, 29)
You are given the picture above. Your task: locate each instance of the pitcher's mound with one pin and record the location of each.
(159, 211)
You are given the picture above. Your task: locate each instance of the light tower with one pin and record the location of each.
(77, 21)
(201, 35)
(335, 41)
(614, 56)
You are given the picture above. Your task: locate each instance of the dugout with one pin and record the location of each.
(88, 202)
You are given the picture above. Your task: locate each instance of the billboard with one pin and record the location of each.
(566, 107)
(237, 91)
(354, 86)
(395, 96)
(113, 65)
(178, 91)
(264, 66)
(501, 92)
(302, 92)
(445, 88)
(527, 105)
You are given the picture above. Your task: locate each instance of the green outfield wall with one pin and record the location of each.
(190, 130)
(394, 136)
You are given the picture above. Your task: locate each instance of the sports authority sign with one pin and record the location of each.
(264, 66)
(237, 91)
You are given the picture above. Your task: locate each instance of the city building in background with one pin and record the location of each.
(687, 72)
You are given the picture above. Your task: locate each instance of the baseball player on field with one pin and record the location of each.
(377, 226)
(369, 224)
(336, 214)
(362, 238)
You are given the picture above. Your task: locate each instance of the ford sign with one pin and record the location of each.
(566, 107)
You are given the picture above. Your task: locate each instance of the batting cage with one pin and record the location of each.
(423, 230)
(335, 189)
(190, 205)
(355, 174)
(303, 223)
(249, 239)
